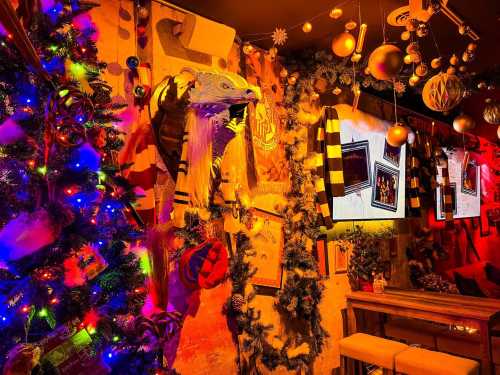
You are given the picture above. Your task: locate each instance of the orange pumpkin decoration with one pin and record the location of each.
(443, 92)
(463, 124)
(343, 44)
(385, 62)
(491, 113)
(397, 135)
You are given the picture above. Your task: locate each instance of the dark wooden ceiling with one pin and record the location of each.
(253, 17)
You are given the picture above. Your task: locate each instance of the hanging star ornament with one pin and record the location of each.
(279, 36)
(400, 87)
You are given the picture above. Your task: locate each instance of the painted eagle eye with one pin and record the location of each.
(224, 85)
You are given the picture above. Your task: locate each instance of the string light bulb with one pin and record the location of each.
(307, 27)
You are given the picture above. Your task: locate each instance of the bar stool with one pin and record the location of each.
(369, 349)
(418, 361)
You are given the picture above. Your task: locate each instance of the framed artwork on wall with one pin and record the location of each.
(341, 258)
(469, 179)
(268, 244)
(392, 154)
(356, 166)
(385, 187)
(322, 248)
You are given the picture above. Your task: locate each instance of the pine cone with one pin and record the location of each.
(237, 302)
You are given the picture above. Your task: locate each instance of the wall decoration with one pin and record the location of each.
(392, 154)
(469, 179)
(342, 252)
(385, 187)
(467, 204)
(268, 245)
(356, 165)
(362, 127)
(323, 247)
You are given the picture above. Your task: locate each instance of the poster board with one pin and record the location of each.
(374, 172)
(466, 187)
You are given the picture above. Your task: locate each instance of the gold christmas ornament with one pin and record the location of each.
(292, 80)
(491, 113)
(451, 70)
(283, 73)
(421, 70)
(307, 27)
(367, 70)
(337, 91)
(361, 38)
(397, 135)
(442, 92)
(412, 48)
(454, 60)
(248, 49)
(314, 96)
(463, 123)
(405, 35)
(414, 80)
(407, 59)
(436, 63)
(351, 25)
(355, 57)
(336, 13)
(273, 52)
(143, 13)
(465, 57)
(422, 30)
(471, 47)
(385, 62)
(343, 44)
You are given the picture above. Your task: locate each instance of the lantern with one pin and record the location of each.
(385, 62)
(463, 124)
(421, 70)
(397, 135)
(443, 92)
(343, 44)
(491, 113)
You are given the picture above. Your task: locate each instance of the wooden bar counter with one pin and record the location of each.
(473, 312)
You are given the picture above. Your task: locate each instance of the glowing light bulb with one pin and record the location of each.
(307, 27)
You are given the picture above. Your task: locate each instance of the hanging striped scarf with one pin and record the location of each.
(446, 190)
(414, 190)
(330, 181)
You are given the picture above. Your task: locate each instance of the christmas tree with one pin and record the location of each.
(70, 288)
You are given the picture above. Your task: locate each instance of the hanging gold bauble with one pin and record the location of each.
(397, 135)
(412, 48)
(343, 44)
(422, 30)
(491, 113)
(355, 57)
(414, 80)
(405, 35)
(442, 92)
(248, 49)
(421, 70)
(463, 123)
(385, 62)
(436, 63)
(465, 57)
(454, 60)
(451, 70)
(337, 91)
(336, 13)
(292, 80)
(283, 73)
(367, 70)
(351, 25)
(407, 59)
(471, 47)
(307, 27)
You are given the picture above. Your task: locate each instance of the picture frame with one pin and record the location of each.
(341, 258)
(385, 187)
(268, 245)
(356, 166)
(322, 248)
(469, 179)
(392, 154)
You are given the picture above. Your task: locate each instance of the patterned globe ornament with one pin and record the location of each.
(491, 113)
(443, 92)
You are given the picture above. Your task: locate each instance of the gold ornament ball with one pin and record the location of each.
(367, 70)
(336, 13)
(343, 44)
(421, 70)
(307, 27)
(465, 57)
(491, 113)
(442, 92)
(414, 80)
(463, 123)
(283, 73)
(385, 62)
(397, 135)
(405, 35)
(248, 49)
(292, 80)
(436, 63)
(454, 60)
(355, 57)
(471, 47)
(337, 91)
(407, 59)
(451, 70)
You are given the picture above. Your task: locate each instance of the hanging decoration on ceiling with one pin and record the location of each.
(463, 123)
(279, 36)
(336, 13)
(443, 92)
(343, 44)
(385, 62)
(491, 113)
(307, 27)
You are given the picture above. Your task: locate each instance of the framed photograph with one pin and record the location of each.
(392, 154)
(453, 187)
(469, 179)
(385, 187)
(341, 258)
(356, 166)
(322, 248)
(268, 245)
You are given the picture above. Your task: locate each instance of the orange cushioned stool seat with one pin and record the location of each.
(417, 361)
(371, 349)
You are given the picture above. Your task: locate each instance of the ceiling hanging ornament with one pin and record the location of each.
(336, 13)
(400, 87)
(454, 60)
(405, 35)
(491, 113)
(351, 25)
(436, 63)
(397, 135)
(385, 62)
(463, 123)
(414, 80)
(343, 44)
(443, 92)
(421, 70)
(451, 70)
(279, 36)
(307, 27)
(422, 30)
